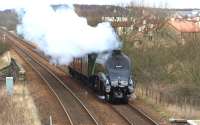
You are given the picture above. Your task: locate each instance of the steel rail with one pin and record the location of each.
(133, 115)
(143, 113)
(122, 115)
(51, 89)
(72, 93)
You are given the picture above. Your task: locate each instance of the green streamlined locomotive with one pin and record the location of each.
(109, 73)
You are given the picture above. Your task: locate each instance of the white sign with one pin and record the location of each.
(9, 85)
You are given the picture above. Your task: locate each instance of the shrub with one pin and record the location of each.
(3, 47)
(165, 65)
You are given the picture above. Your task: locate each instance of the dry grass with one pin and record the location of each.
(18, 109)
(3, 47)
(175, 65)
(166, 108)
(188, 112)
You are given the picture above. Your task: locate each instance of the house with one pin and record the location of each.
(182, 29)
(116, 19)
(184, 26)
(122, 26)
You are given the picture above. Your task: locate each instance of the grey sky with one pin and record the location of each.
(157, 3)
(169, 3)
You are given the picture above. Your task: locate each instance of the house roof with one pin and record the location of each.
(185, 26)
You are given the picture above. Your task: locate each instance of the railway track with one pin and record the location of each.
(74, 108)
(31, 47)
(132, 115)
(27, 45)
(129, 113)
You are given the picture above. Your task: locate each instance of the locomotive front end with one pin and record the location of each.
(119, 84)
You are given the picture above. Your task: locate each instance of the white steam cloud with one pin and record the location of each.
(61, 33)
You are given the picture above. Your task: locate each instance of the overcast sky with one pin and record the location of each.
(157, 3)
(170, 3)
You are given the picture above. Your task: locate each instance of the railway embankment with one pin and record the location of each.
(4, 60)
(17, 108)
(31, 102)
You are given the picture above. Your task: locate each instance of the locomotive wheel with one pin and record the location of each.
(71, 73)
(107, 97)
(111, 98)
(96, 84)
(125, 99)
(91, 82)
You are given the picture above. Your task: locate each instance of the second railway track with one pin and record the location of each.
(76, 111)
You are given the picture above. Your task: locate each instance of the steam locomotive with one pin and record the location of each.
(109, 74)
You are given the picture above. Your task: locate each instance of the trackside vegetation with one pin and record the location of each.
(166, 64)
(3, 47)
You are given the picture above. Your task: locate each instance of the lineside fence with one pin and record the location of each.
(186, 105)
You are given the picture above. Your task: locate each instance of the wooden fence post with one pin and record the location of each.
(160, 100)
(146, 92)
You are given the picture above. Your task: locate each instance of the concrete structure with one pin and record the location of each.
(184, 122)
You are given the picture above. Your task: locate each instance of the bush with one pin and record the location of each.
(3, 47)
(161, 65)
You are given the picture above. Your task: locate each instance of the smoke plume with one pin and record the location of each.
(60, 33)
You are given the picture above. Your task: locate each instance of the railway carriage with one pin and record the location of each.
(109, 73)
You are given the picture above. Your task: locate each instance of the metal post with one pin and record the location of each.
(50, 120)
